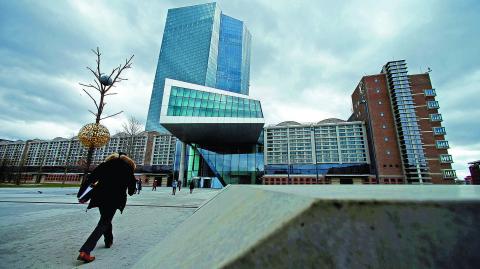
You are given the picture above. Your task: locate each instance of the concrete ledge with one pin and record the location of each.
(305, 226)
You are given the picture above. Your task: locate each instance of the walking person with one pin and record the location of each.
(174, 186)
(154, 185)
(179, 183)
(112, 177)
(139, 185)
(192, 186)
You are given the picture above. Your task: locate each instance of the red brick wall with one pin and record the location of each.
(388, 165)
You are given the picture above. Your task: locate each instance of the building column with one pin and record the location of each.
(182, 162)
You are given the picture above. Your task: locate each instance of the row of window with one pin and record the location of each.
(69, 153)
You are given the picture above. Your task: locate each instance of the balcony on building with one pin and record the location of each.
(449, 174)
(446, 158)
(430, 92)
(442, 144)
(432, 104)
(436, 117)
(439, 131)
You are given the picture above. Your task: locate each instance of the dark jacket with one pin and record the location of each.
(113, 178)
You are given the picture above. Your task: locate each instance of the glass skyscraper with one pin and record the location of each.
(200, 95)
(201, 45)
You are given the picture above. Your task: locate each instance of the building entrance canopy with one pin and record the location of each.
(204, 115)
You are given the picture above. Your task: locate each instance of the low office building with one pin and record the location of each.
(330, 151)
(62, 159)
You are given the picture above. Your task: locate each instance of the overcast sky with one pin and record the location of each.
(307, 57)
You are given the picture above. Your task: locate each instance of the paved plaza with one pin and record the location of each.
(45, 227)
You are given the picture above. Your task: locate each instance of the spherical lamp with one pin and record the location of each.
(106, 80)
(94, 135)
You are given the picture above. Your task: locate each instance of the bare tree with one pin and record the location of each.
(102, 83)
(132, 128)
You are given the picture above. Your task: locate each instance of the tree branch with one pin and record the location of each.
(111, 115)
(127, 65)
(98, 85)
(95, 102)
(93, 72)
(113, 93)
(92, 113)
(89, 86)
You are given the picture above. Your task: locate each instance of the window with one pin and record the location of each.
(435, 117)
(449, 173)
(432, 104)
(446, 158)
(442, 144)
(439, 130)
(430, 92)
(379, 102)
(382, 114)
(384, 126)
(388, 152)
(378, 90)
(386, 139)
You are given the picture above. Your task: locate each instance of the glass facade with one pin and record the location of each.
(233, 63)
(319, 169)
(189, 102)
(194, 51)
(235, 164)
(412, 153)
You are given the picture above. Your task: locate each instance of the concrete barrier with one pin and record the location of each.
(327, 226)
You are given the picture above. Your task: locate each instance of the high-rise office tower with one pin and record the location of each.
(406, 138)
(203, 46)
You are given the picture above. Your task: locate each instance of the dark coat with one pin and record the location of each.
(113, 178)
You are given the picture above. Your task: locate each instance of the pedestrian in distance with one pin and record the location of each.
(192, 186)
(174, 186)
(139, 185)
(179, 183)
(113, 178)
(154, 185)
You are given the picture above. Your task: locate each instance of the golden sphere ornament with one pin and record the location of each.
(94, 135)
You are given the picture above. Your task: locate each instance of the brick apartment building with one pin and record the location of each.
(406, 139)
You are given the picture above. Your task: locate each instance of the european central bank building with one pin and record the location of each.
(200, 96)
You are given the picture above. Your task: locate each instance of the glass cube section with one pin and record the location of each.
(190, 102)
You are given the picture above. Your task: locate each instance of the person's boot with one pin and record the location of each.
(85, 257)
(108, 244)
